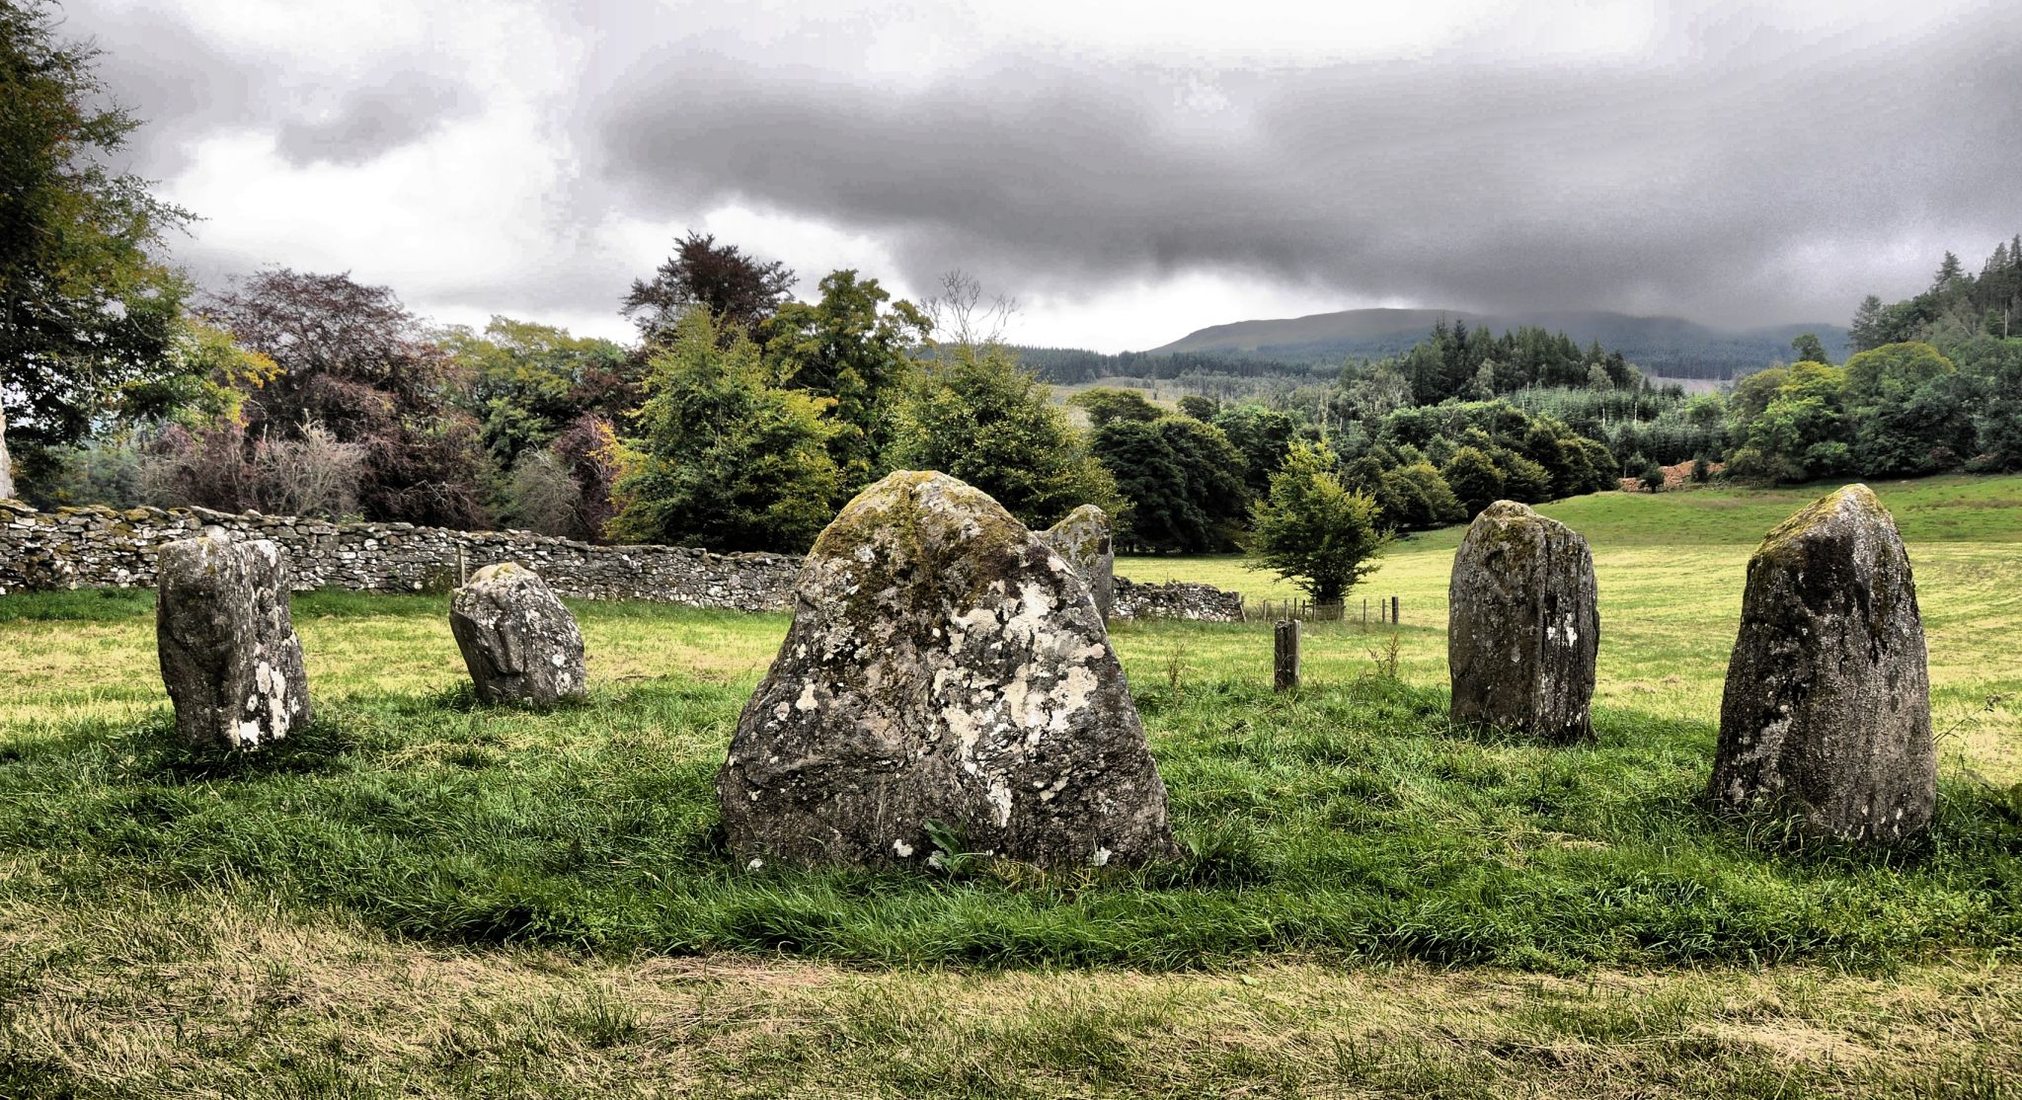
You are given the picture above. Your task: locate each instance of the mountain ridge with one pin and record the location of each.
(1671, 346)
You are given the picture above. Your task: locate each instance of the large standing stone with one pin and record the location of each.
(1826, 720)
(229, 655)
(944, 666)
(1522, 626)
(1083, 539)
(520, 644)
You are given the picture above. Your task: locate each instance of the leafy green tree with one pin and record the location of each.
(1106, 404)
(1199, 407)
(1313, 530)
(1910, 411)
(1416, 497)
(1809, 349)
(88, 311)
(1264, 436)
(975, 414)
(1474, 478)
(725, 459)
(850, 347)
(525, 382)
(1183, 480)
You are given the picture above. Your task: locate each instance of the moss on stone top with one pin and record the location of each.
(914, 521)
(503, 570)
(1856, 501)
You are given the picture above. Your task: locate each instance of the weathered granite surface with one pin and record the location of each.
(1826, 719)
(1083, 538)
(228, 651)
(1523, 626)
(946, 674)
(518, 641)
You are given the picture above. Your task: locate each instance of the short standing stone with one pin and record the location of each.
(1523, 627)
(520, 644)
(1083, 539)
(229, 655)
(1826, 721)
(944, 668)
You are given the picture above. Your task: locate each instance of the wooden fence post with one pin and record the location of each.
(1285, 656)
(1393, 611)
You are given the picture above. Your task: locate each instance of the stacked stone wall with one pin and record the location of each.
(98, 547)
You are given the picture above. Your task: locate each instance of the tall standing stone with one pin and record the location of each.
(229, 655)
(1523, 627)
(1826, 720)
(1083, 538)
(518, 640)
(945, 670)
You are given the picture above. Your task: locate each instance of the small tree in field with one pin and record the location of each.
(1312, 529)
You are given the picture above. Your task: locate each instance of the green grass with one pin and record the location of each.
(418, 895)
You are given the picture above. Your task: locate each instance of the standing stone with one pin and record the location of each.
(1523, 627)
(520, 644)
(1826, 720)
(229, 655)
(945, 670)
(1083, 539)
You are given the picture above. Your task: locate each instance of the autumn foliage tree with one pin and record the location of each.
(740, 291)
(354, 362)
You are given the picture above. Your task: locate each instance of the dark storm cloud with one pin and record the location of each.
(184, 86)
(367, 121)
(1740, 177)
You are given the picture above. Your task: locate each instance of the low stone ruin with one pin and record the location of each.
(1826, 719)
(520, 644)
(1083, 538)
(229, 655)
(946, 682)
(1523, 627)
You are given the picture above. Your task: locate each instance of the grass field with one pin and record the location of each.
(419, 896)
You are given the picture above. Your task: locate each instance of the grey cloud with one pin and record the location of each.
(369, 120)
(1689, 186)
(185, 87)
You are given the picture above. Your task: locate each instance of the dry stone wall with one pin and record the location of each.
(106, 548)
(100, 547)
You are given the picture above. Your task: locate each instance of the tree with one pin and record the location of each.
(1313, 530)
(1865, 331)
(87, 309)
(1416, 497)
(525, 382)
(1474, 479)
(1199, 407)
(726, 460)
(740, 291)
(1183, 480)
(1263, 436)
(1808, 348)
(975, 414)
(852, 348)
(1108, 403)
(352, 360)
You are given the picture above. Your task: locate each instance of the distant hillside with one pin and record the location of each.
(1669, 346)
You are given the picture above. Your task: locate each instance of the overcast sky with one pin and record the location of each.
(1128, 171)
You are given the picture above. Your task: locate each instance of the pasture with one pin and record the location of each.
(419, 896)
